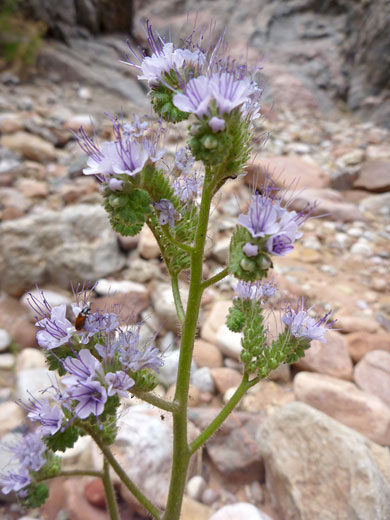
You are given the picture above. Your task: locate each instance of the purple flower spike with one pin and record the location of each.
(184, 160)
(132, 357)
(301, 325)
(168, 214)
(118, 383)
(195, 98)
(30, 450)
(255, 291)
(41, 411)
(91, 396)
(229, 91)
(14, 481)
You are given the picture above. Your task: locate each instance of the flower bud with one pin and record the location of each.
(209, 142)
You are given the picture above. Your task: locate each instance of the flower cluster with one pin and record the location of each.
(271, 225)
(302, 326)
(255, 291)
(29, 453)
(187, 182)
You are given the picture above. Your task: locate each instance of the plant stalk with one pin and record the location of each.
(111, 501)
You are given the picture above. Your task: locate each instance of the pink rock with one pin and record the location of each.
(331, 358)
(359, 343)
(225, 378)
(372, 374)
(207, 355)
(357, 324)
(215, 319)
(286, 170)
(344, 402)
(374, 176)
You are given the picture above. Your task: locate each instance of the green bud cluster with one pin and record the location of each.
(37, 496)
(161, 99)
(127, 210)
(243, 267)
(144, 381)
(207, 146)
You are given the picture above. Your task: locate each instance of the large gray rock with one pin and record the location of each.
(74, 244)
(318, 468)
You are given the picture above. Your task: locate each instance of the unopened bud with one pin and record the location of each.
(209, 142)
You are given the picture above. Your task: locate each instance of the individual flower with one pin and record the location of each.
(56, 328)
(164, 58)
(184, 161)
(118, 383)
(91, 397)
(132, 356)
(195, 98)
(135, 129)
(187, 187)
(80, 368)
(250, 249)
(254, 291)
(262, 217)
(230, 90)
(217, 124)
(167, 212)
(301, 325)
(15, 480)
(41, 411)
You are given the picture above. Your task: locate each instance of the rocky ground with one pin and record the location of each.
(310, 442)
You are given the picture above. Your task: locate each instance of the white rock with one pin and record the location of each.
(105, 287)
(30, 358)
(221, 250)
(32, 381)
(203, 380)
(228, 342)
(361, 248)
(6, 361)
(5, 340)
(240, 511)
(164, 305)
(11, 416)
(168, 372)
(195, 487)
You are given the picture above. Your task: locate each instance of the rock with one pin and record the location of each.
(331, 358)
(203, 380)
(74, 244)
(228, 342)
(164, 305)
(374, 176)
(147, 245)
(215, 319)
(344, 402)
(142, 271)
(29, 146)
(285, 171)
(168, 372)
(16, 320)
(194, 398)
(225, 378)
(330, 203)
(143, 447)
(206, 355)
(32, 188)
(94, 493)
(265, 395)
(303, 448)
(7, 361)
(357, 324)
(359, 343)
(53, 297)
(32, 380)
(192, 509)
(105, 287)
(5, 340)
(372, 374)
(11, 416)
(376, 204)
(232, 448)
(239, 511)
(10, 123)
(362, 248)
(195, 487)
(29, 358)
(11, 198)
(129, 307)
(221, 250)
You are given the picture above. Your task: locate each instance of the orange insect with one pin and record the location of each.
(82, 316)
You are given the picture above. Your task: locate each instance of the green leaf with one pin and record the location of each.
(128, 210)
(62, 440)
(37, 496)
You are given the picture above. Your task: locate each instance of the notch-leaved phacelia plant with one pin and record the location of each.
(98, 359)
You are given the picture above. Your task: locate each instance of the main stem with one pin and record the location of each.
(181, 451)
(112, 504)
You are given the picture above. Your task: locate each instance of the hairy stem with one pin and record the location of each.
(223, 414)
(163, 404)
(181, 452)
(74, 473)
(112, 504)
(177, 298)
(177, 243)
(216, 278)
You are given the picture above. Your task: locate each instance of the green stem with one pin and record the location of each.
(177, 298)
(74, 473)
(145, 502)
(177, 243)
(216, 278)
(223, 414)
(112, 504)
(168, 406)
(181, 452)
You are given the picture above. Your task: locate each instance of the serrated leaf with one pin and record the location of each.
(62, 440)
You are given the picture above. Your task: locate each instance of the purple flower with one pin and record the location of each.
(29, 451)
(80, 368)
(135, 129)
(41, 411)
(217, 124)
(134, 358)
(187, 187)
(91, 397)
(184, 160)
(195, 97)
(167, 212)
(15, 481)
(254, 291)
(99, 322)
(262, 217)
(250, 249)
(301, 325)
(118, 383)
(56, 328)
(230, 91)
